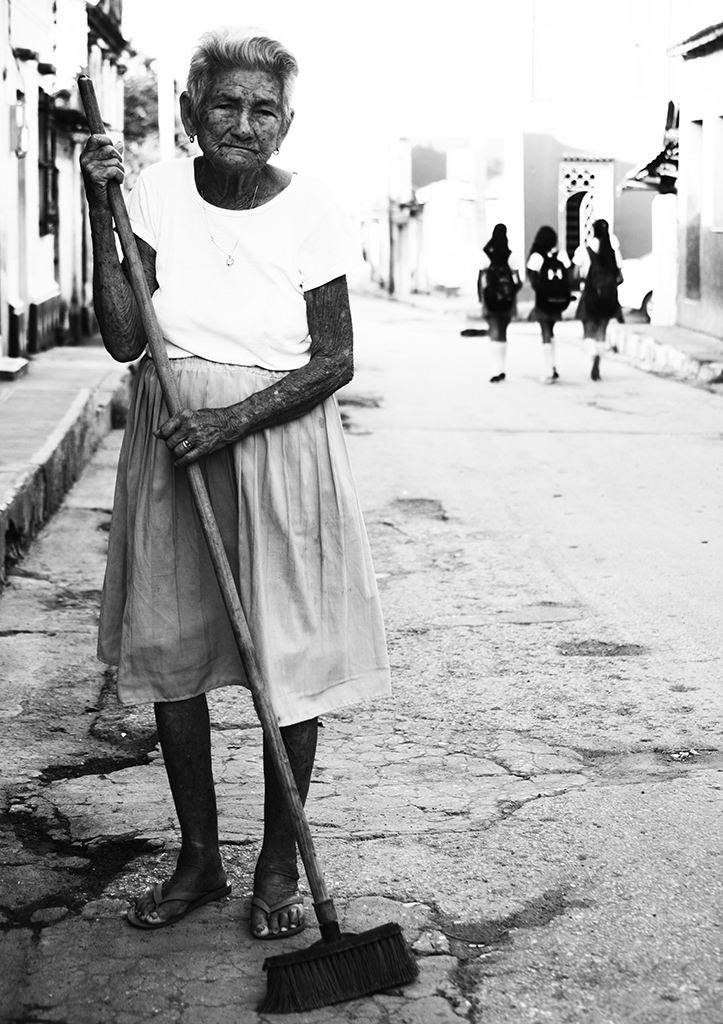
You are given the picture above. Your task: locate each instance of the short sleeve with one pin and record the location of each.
(330, 250)
(581, 257)
(535, 262)
(143, 212)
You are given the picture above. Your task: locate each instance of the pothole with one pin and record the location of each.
(68, 599)
(429, 508)
(350, 426)
(360, 401)
(657, 764)
(474, 943)
(600, 649)
(545, 611)
(73, 873)
(536, 913)
(92, 766)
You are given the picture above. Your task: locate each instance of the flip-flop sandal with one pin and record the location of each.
(193, 901)
(256, 901)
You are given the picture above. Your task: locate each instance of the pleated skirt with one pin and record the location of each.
(291, 523)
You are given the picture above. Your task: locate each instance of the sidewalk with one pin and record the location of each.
(670, 351)
(51, 421)
(673, 351)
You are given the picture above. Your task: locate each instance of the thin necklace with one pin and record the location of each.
(229, 255)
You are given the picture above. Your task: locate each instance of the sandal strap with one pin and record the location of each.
(182, 895)
(291, 901)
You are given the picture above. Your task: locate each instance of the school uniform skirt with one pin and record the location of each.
(289, 516)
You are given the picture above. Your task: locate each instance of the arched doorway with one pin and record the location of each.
(585, 191)
(579, 215)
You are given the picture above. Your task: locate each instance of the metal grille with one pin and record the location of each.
(587, 216)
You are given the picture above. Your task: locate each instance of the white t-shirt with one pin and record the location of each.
(252, 313)
(536, 259)
(581, 257)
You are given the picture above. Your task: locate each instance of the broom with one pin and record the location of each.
(338, 967)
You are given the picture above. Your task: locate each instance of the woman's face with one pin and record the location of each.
(241, 123)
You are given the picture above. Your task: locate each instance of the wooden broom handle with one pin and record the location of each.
(264, 709)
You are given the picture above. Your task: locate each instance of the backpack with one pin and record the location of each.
(500, 288)
(601, 289)
(552, 291)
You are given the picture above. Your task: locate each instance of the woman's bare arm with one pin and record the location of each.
(330, 367)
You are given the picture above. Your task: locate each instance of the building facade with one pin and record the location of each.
(45, 267)
(700, 182)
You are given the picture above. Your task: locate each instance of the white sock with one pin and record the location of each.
(548, 358)
(498, 351)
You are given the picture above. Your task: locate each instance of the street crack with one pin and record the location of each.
(600, 648)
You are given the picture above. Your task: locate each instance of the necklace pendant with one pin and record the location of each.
(229, 261)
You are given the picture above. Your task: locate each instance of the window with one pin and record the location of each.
(48, 172)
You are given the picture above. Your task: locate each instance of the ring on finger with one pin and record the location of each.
(187, 444)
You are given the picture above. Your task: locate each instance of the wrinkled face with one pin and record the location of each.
(241, 123)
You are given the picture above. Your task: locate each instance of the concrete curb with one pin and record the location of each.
(36, 492)
(657, 356)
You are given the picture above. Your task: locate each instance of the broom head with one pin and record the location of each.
(332, 972)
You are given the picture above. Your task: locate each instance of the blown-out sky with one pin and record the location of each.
(378, 69)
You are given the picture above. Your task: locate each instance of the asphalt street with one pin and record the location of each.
(539, 803)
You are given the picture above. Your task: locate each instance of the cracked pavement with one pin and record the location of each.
(539, 804)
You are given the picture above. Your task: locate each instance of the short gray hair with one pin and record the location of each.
(229, 49)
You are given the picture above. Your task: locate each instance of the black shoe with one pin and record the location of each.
(595, 372)
(555, 374)
(497, 379)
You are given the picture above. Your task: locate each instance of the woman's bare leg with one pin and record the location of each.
(277, 873)
(185, 734)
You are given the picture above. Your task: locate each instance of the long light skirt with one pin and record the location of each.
(290, 520)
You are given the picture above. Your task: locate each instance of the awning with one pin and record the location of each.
(659, 175)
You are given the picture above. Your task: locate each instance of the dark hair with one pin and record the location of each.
(498, 248)
(606, 253)
(230, 48)
(545, 240)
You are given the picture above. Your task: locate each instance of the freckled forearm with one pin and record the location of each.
(331, 367)
(291, 397)
(113, 300)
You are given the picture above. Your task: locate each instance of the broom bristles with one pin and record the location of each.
(332, 972)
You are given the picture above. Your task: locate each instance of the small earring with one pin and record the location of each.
(191, 138)
(276, 152)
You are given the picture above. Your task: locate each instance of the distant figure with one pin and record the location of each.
(599, 262)
(497, 287)
(549, 272)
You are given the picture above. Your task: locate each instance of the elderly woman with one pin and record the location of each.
(246, 263)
